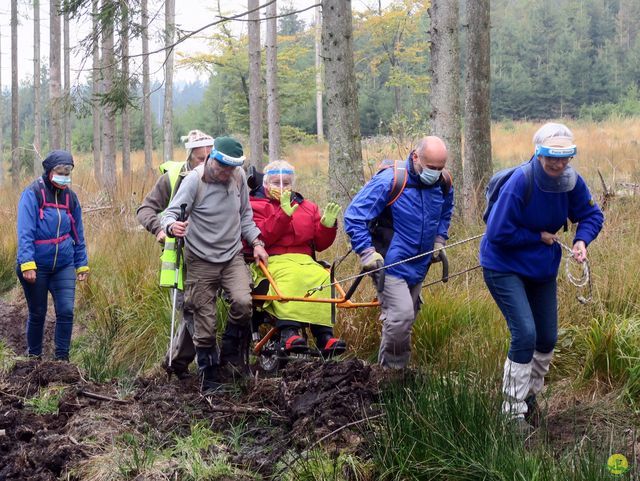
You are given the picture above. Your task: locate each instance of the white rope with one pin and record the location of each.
(578, 282)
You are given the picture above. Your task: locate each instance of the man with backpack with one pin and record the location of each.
(403, 211)
(216, 198)
(198, 145)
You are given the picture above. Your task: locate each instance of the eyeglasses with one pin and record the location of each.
(63, 169)
(557, 160)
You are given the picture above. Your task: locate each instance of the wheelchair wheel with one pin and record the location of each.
(270, 358)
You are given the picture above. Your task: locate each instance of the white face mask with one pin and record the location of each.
(59, 179)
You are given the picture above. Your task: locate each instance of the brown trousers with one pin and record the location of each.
(201, 289)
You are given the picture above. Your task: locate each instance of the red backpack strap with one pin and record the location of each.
(400, 176)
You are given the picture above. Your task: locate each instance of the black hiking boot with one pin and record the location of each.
(330, 346)
(234, 355)
(209, 369)
(177, 370)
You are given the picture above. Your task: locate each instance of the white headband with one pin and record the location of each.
(199, 143)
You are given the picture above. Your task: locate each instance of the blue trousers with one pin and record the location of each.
(530, 308)
(62, 285)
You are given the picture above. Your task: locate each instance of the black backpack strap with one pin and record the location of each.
(400, 176)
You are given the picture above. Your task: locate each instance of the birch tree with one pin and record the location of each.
(167, 117)
(345, 151)
(445, 80)
(37, 94)
(55, 92)
(96, 112)
(15, 125)
(477, 104)
(273, 112)
(318, 42)
(146, 88)
(109, 177)
(255, 85)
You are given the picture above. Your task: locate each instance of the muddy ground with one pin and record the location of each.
(308, 402)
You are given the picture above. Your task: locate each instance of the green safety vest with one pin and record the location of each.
(169, 254)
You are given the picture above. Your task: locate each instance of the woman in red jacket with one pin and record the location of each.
(293, 231)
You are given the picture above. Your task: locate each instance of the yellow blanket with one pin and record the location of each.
(295, 274)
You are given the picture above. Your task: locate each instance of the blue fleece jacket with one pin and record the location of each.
(512, 242)
(419, 215)
(49, 223)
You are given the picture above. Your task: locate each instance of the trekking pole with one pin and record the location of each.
(179, 242)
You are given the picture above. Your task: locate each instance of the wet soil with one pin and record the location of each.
(310, 402)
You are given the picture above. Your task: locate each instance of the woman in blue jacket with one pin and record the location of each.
(51, 251)
(520, 258)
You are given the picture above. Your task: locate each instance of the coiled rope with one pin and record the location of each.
(579, 282)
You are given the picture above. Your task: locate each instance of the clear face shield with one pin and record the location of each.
(277, 181)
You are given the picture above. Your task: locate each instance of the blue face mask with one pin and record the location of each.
(63, 180)
(429, 176)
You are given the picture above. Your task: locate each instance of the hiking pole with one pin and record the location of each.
(179, 242)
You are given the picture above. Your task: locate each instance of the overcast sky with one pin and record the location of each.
(190, 15)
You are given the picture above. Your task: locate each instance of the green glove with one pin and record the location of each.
(330, 215)
(285, 203)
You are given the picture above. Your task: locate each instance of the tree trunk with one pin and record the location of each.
(66, 108)
(55, 93)
(445, 81)
(319, 116)
(146, 90)
(167, 117)
(126, 135)
(37, 94)
(15, 126)
(1, 122)
(109, 175)
(255, 87)
(477, 106)
(345, 152)
(96, 112)
(273, 112)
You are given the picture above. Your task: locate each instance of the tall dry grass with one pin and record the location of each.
(459, 322)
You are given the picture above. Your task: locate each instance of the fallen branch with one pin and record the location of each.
(100, 397)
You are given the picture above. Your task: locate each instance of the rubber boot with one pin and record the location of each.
(515, 388)
(209, 369)
(234, 354)
(539, 368)
(292, 341)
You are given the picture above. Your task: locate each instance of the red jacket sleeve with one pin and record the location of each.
(272, 222)
(323, 236)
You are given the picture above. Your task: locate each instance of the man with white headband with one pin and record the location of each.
(198, 145)
(520, 259)
(219, 216)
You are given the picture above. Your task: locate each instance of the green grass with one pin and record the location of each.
(8, 277)
(7, 358)
(47, 401)
(449, 427)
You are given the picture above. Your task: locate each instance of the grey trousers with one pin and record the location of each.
(184, 351)
(400, 305)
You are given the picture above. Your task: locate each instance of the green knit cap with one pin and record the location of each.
(228, 151)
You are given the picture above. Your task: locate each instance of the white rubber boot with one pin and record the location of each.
(515, 387)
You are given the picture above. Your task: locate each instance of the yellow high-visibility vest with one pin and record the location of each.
(169, 254)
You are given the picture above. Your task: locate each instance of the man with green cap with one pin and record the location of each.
(219, 216)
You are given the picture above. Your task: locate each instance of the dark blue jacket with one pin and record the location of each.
(512, 242)
(38, 226)
(419, 215)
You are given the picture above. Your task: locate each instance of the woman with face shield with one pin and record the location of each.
(520, 259)
(293, 230)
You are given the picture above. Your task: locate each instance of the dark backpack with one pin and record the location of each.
(381, 228)
(492, 192)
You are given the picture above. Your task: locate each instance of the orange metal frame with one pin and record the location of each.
(341, 301)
